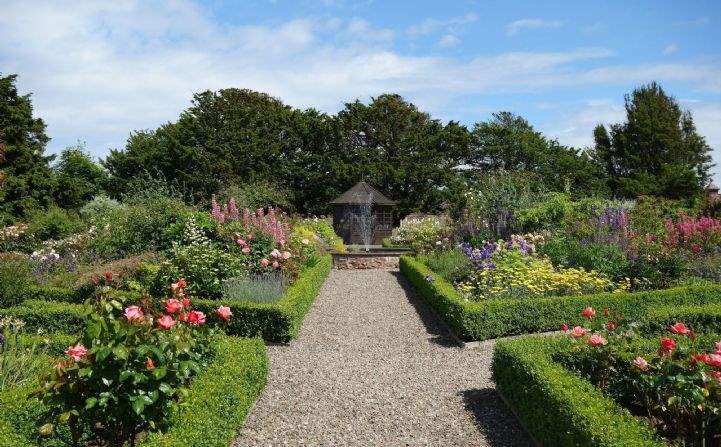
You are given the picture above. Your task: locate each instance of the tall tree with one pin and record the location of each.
(79, 177)
(657, 151)
(28, 182)
(510, 143)
(404, 152)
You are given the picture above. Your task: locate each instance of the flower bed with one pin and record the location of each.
(581, 389)
(276, 322)
(555, 405)
(218, 401)
(472, 321)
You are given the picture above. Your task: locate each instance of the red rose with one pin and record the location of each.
(713, 360)
(696, 248)
(149, 363)
(196, 318)
(109, 276)
(606, 312)
(172, 305)
(679, 328)
(96, 280)
(166, 322)
(611, 326)
(667, 346)
(564, 327)
(186, 302)
(588, 312)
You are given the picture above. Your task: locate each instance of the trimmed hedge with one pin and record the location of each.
(558, 407)
(699, 318)
(484, 320)
(277, 322)
(219, 400)
(50, 316)
(48, 293)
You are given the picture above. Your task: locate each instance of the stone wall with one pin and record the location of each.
(363, 261)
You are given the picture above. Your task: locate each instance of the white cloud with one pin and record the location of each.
(670, 48)
(449, 40)
(429, 26)
(522, 24)
(102, 69)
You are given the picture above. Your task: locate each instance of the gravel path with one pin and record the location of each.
(372, 367)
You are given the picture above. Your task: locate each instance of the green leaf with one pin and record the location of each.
(138, 405)
(120, 352)
(90, 403)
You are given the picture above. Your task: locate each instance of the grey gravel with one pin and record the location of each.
(372, 366)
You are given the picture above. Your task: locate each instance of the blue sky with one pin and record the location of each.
(99, 70)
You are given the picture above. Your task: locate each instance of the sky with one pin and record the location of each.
(99, 70)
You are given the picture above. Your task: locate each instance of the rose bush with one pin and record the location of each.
(129, 370)
(676, 388)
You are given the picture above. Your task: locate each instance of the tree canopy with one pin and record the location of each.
(657, 151)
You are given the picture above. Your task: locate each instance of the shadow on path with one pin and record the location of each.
(439, 331)
(494, 419)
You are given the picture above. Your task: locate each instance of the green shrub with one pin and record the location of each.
(452, 265)
(49, 316)
(218, 401)
(55, 223)
(498, 318)
(16, 278)
(697, 317)
(558, 407)
(61, 294)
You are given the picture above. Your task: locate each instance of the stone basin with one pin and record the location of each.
(375, 258)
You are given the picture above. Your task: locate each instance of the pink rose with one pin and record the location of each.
(713, 360)
(679, 328)
(716, 375)
(275, 253)
(172, 305)
(305, 242)
(166, 322)
(186, 302)
(224, 312)
(77, 352)
(286, 255)
(596, 340)
(134, 313)
(588, 312)
(578, 332)
(241, 242)
(611, 326)
(245, 250)
(640, 363)
(718, 347)
(264, 262)
(196, 318)
(276, 265)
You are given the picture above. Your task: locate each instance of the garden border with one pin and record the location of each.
(556, 406)
(219, 400)
(478, 321)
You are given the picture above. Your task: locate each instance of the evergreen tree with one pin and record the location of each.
(28, 182)
(79, 177)
(657, 151)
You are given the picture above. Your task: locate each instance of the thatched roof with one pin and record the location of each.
(362, 192)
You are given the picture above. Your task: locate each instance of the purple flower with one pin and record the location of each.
(2, 340)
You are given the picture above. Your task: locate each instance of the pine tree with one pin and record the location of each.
(28, 181)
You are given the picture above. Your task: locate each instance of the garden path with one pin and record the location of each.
(373, 367)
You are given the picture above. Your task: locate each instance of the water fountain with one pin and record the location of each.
(364, 221)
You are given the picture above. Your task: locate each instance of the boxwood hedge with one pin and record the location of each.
(50, 316)
(699, 318)
(558, 407)
(219, 400)
(484, 320)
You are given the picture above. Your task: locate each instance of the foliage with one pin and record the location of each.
(265, 288)
(129, 370)
(55, 223)
(452, 265)
(508, 142)
(48, 316)
(15, 278)
(657, 151)
(79, 178)
(19, 363)
(472, 321)
(323, 231)
(256, 195)
(422, 234)
(27, 181)
(99, 206)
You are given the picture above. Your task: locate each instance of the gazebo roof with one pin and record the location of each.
(362, 192)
